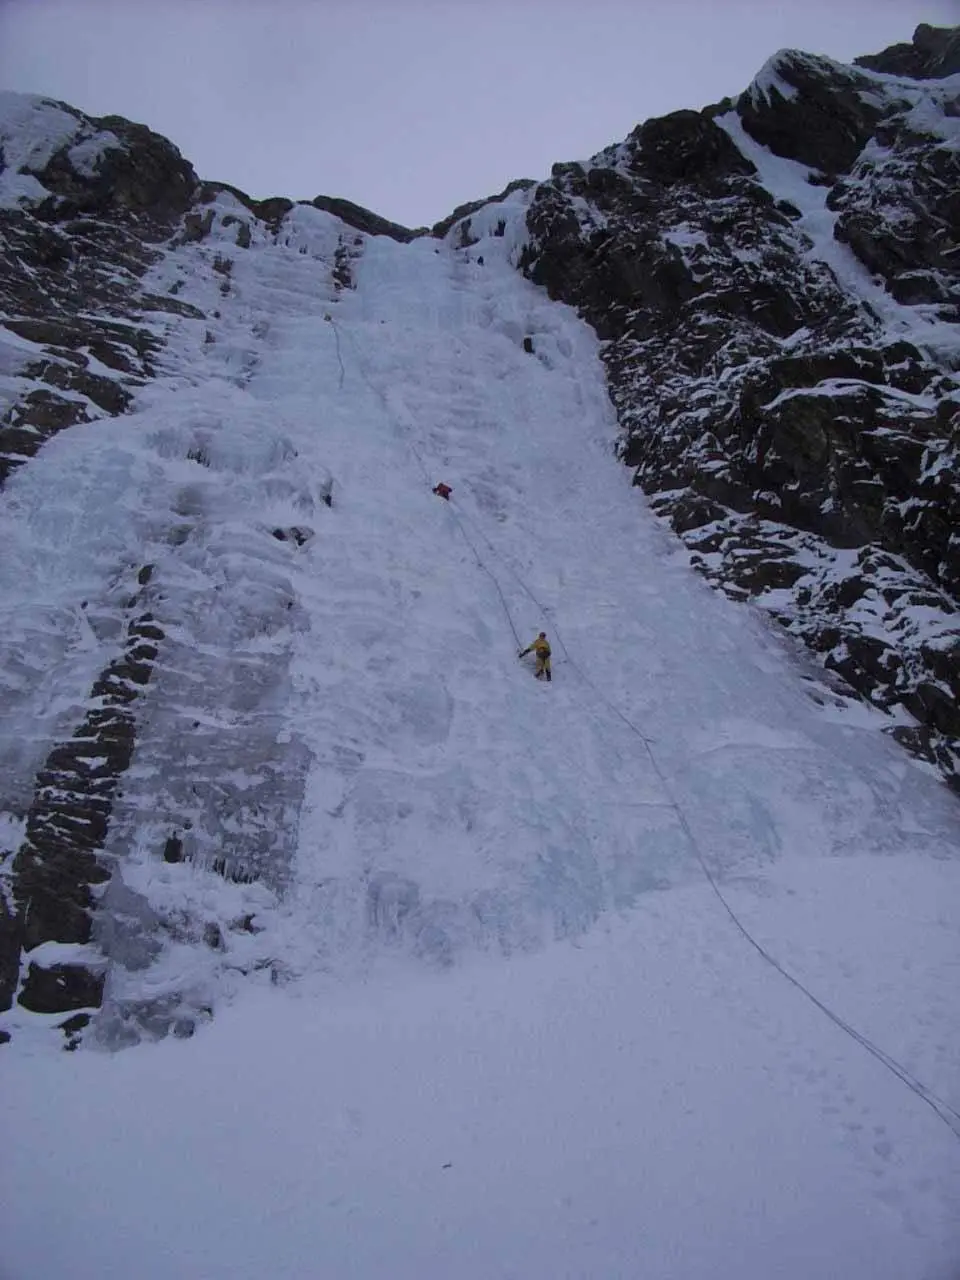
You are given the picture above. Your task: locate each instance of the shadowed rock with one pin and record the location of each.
(934, 52)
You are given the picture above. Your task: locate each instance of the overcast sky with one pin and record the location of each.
(411, 107)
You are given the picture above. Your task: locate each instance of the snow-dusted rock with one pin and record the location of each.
(933, 52)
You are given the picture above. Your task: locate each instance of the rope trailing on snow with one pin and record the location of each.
(947, 1113)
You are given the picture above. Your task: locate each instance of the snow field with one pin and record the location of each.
(643, 1102)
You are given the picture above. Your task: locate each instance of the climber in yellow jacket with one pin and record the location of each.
(541, 650)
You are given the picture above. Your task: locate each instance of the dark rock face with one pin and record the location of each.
(354, 215)
(55, 988)
(810, 109)
(803, 447)
(143, 175)
(934, 52)
(899, 212)
(58, 865)
(681, 147)
(345, 255)
(73, 252)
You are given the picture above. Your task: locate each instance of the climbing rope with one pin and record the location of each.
(491, 575)
(336, 338)
(941, 1108)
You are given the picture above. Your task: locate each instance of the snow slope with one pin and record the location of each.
(519, 1033)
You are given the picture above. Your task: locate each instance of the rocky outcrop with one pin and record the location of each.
(933, 53)
(354, 215)
(899, 212)
(811, 110)
(782, 354)
(123, 169)
(59, 863)
(84, 205)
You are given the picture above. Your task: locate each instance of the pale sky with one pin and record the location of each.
(411, 107)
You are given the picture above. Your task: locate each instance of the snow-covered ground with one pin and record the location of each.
(494, 1020)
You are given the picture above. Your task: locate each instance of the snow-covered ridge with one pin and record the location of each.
(789, 71)
(769, 78)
